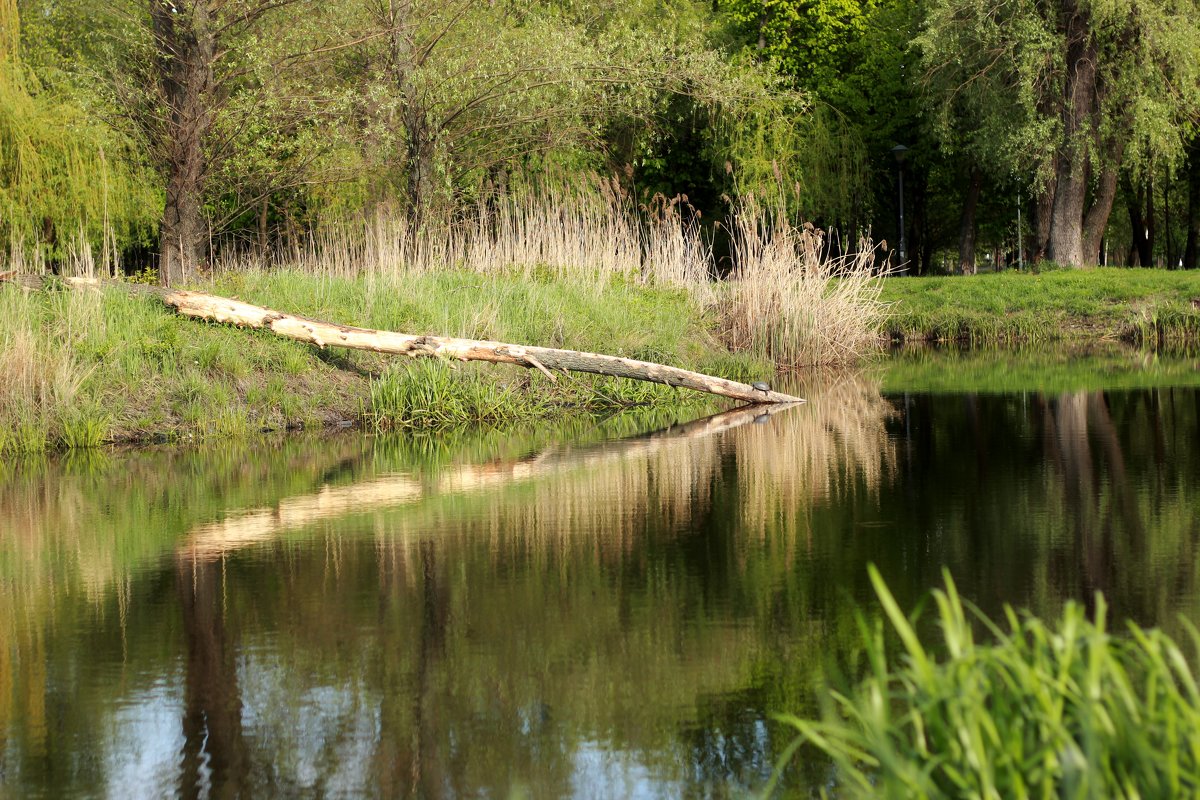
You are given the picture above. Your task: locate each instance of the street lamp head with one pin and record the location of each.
(900, 152)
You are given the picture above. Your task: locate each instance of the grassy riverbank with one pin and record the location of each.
(80, 368)
(1143, 306)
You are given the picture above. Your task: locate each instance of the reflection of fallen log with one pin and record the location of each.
(261, 525)
(545, 359)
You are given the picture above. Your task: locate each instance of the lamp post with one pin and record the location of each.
(901, 152)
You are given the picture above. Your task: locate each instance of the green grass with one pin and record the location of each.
(1046, 368)
(79, 368)
(1139, 305)
(1063, 710)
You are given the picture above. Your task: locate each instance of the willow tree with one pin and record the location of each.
(850, 58)
(70, 186)
(1075, 88)
(204, 84)
(435, 115)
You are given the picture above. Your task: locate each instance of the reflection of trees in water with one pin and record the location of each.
(1031, 499)
(214, 759)
(522, 607)
(1109, 512)
(573, 598)
(465, 624)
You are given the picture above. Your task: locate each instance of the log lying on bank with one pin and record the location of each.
(547, 360)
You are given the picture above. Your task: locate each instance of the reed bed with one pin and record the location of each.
(1063, 710)
(576, 268)
(786, 300)
(41, 379)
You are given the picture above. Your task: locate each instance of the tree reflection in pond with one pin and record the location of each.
(539, 613)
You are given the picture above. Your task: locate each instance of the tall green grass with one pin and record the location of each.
(1038, 710)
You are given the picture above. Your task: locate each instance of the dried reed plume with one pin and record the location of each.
(789, 302)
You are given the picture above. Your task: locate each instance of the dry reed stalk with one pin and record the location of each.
(38, 381)
(78, 258)
(787, 302)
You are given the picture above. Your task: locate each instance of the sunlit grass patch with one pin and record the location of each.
(432, 394)
(1142, 305)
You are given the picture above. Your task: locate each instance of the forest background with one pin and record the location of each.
(177, 133)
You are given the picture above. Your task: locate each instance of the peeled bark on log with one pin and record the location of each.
(545, 359)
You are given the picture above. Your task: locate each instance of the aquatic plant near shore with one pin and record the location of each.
(1049, 711)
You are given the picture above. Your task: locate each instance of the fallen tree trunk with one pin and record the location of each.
(545, 359)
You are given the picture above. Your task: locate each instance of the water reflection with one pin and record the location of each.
(544, 614)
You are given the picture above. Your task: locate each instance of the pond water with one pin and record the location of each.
(606, 609)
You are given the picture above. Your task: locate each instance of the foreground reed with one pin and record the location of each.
(1069, 710)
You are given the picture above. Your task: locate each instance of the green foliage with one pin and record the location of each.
(851, 59)
(435, 395)
(998, 75)
(70, 186)
(1049, 711)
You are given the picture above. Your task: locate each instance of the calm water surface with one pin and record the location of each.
(613, 609)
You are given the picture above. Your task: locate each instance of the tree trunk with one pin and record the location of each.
(186, 43)
(419, 144)
(919, 250)
(1070, 194)
(1095, 222)
(544, 359)
(1140, 199)
(1193, 212)
(264, 209)
(1043, 209)
(1151, 231)
(1066, 223)
(1133, 206)
(420, 185)
(966, 234)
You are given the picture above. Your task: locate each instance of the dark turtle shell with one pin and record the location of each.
(762, 386)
